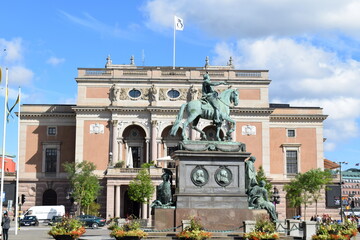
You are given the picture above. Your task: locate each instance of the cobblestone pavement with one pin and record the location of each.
(40, 233)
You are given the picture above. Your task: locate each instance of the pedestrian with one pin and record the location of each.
(5, 226)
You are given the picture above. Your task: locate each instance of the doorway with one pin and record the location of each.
(131, 207)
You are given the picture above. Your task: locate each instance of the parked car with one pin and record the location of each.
(92, 221)
(29, 221)
(55, 219)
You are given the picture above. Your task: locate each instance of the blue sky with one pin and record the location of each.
(311, 48)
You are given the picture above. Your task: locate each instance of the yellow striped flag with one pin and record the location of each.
(9, 110)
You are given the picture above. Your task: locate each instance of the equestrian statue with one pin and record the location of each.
(211, 106)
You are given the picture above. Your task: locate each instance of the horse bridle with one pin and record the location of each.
(225, 103)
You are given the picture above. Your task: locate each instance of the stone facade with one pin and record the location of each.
(125, 109)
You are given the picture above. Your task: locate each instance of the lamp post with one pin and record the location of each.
(341, 183)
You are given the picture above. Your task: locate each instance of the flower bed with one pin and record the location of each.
(129, 231)
(335, 231)
(195, 231)
(67, 229)
(264, 229)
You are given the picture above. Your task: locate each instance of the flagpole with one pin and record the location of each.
(174, 42)
(17, 170)
(3, 146)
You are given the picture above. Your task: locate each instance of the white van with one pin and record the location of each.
(45, 212)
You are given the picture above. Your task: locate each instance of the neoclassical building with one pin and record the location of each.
(125, 110)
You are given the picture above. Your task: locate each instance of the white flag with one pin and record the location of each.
(179, 24)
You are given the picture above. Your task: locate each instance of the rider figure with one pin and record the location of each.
(211, 95)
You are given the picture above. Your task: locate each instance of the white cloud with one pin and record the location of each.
(19, 75)
(304, 75)
(55, 61)
(11, 51)
(299, 67)
(88, 21)
(258, 18)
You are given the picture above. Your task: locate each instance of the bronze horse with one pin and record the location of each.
(197, 109)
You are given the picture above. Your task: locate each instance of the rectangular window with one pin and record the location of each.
(50, 160)
(291, 133)
(51, 131)
(291, 162)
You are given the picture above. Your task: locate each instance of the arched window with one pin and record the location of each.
(49, 197)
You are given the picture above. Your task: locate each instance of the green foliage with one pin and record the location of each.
(130, 229)
(330, 231)
(119, 164)
(306, 188)
(141, 188)
(68, 226)
(194, 231)
(84, 183)
(264, 229)
(93, 209)
(260, 176)
(147, 165)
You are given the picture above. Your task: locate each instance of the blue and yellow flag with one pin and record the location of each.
(9, 110)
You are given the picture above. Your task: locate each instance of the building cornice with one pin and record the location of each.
(297, 117)
(252, 111)
(24, 115)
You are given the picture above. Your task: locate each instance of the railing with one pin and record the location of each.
(98, 73)
(248, 74)
(158, 72)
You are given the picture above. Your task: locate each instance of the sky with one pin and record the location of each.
(311, 49)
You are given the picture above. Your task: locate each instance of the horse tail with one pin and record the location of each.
(177, 122)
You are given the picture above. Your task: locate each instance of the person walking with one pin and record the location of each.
(5, 226)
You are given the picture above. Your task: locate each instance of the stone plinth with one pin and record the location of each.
(164, 218)
(219, 219)
(210, 179)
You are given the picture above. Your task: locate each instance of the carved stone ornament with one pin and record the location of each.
(199, 176)
(248, 130)
(223, 176)
(96, 128)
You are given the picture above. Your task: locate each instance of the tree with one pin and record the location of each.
(84, 183)
(306, 188)
(316, 181)
(141, 188)
(260, 175)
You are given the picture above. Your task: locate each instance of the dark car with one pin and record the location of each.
(29, 221)
(55, 219)
(92, 221)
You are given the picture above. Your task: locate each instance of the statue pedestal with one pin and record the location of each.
(164, 218)
(210, 179)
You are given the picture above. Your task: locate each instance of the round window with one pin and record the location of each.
(134, 93)
(173, 93)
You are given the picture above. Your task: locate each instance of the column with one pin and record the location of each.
(110, 202)
(153, 140)
(144, 211)
(147, 140)
(117, 200)
(158, 145)
(115, 154)
(120, 147)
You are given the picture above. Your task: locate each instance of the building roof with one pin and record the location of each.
(330, 164)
